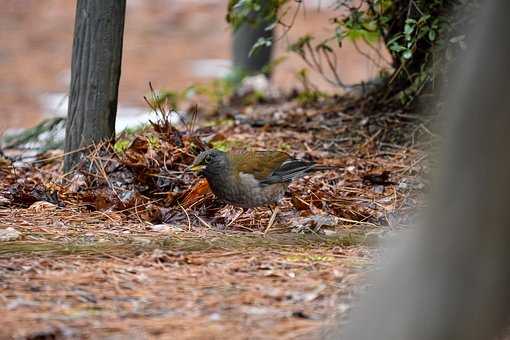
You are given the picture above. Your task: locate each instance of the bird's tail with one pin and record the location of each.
(293, 169)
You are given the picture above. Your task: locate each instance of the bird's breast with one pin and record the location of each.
(245, 190)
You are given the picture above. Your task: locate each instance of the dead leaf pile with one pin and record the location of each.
(143, 176)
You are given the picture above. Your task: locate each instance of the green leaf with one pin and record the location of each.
(407, 54)
(432, 35)
(120, 146)
(262, 42)
(408, 29)
(397, 48)
(354, 34)
(424, 18)
(394, 39)
(372, 36)
(371, 25)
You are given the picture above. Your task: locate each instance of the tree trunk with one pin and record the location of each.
(450, 278)
(95, 75)
(243, 40)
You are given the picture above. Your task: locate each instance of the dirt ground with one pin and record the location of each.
(167, 285)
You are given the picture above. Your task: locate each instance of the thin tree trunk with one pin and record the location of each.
(243, 40)
(95, 75)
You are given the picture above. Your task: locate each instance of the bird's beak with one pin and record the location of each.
(196, 167)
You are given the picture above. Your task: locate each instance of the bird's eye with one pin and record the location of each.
(208, 158)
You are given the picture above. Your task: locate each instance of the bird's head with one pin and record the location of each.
(209, 161)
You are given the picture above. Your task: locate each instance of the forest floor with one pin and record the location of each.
(130, 245)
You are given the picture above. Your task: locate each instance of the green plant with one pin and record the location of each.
(413, 32)
(310, 93)
(261, 11)
(166, 98)
(121, 146)
(216, 90)
(250, 11)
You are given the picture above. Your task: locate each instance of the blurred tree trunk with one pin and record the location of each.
(95, 75)
(450, 278)
(243, 40)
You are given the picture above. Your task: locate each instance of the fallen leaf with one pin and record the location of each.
(199, 190)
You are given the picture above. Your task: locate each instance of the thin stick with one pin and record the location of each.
(187, 216)
(271, 220)
(235, 218)
(203, 222)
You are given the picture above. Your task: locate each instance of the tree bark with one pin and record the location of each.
(95, 75)
(450, 278)
(243, 40)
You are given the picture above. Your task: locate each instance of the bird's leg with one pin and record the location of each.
(273, 217)
(235, 218)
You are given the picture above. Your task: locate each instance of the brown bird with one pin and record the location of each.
(251, 179)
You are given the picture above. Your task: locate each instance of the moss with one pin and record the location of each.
(121, 145)
(182, 242)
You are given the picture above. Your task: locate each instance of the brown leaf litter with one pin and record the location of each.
(130, 245)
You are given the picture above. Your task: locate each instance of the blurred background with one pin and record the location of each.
(172, 43)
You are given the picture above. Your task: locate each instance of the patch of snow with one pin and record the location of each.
(55, 105)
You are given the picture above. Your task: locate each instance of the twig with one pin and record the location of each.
(203, 222)
(187, 216)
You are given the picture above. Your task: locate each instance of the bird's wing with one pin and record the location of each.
(270, 167)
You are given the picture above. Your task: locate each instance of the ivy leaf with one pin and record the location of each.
(397, 48)
(432, 35)
(408, 29)
(407, 54)
(262, 42)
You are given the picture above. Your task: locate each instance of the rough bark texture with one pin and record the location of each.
(450, 279)
(244, 39)
(95, 74)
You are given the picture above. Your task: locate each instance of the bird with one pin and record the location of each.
(250, 179)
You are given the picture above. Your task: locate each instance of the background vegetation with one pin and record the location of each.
(419, 35)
